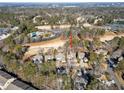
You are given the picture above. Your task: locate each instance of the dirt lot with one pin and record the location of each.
(50, 43)
(109, 36)
(37, 47)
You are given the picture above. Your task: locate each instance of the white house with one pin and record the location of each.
(37, 59)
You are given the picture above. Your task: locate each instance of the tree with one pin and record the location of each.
(71, 20)
(1, 51)
(66, 82)
(101, 58)
(93, 84)
(14, 66)
(39, 19)
(93, 57)
(29, 70)
(18, 50)
(115, 42)
(120, 66)
(22, 27)
(97, 42)
(121, 43)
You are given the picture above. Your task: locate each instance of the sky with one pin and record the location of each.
(61, 1)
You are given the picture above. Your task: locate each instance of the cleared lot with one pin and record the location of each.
(37, 47)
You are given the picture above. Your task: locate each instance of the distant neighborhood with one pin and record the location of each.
(62, 48)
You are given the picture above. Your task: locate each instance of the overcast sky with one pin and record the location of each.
(61, 0)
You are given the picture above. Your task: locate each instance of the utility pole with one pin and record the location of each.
(70, 38)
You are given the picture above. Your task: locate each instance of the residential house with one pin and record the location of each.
(60, 60)
(101, 51)
(61, 70)
(49, 57)
(15, 84)
(60, 57)
(71, 59)
(117, 54)
(38, 59)
(81, 55)
(81, 79)
(98, 21)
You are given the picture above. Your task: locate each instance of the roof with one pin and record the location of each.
(37, 57)
(103, 77)
(20, 84)
(60, 56)
(5, 75)
(117, 53)
(104, 66)
(17, 84)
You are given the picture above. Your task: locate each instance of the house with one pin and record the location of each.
(81, 55)
(15, 28)
(117, 54)
(4, 33)
(112, 62)
(61, 70)
(72, 63)
(71, 59)
(99, 69)
(85, 65)
(81, 79)
(87, 25)
(84, 18)
(109, 83)
(13, 83)
(41, 35)
(85, 59)
(115, 58)
(101, 51)
(102, 78)
(49, 57)
(80, 20)
(60, 60)
(103, 67)
(80, 83)
(38, 59)
(118, 20)
(120, 58)
(60, 57)
(5, 48)
(98, 21)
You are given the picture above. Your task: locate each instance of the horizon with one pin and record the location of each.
(61, 2)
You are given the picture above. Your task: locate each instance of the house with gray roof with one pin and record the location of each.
(15, 84)
(37, 59)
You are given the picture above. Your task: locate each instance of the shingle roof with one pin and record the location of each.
(5, 75)
(20, 84)
(17, 82)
